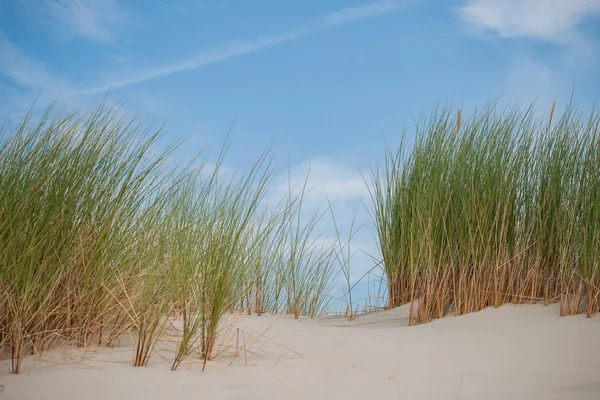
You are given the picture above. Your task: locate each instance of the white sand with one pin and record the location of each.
(525, 352)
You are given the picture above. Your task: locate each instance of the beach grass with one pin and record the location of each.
(497, 207)
(103, 233)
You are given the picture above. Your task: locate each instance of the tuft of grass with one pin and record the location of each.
(102, 234)
(493, 208)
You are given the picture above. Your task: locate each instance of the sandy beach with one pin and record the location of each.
(513, 352)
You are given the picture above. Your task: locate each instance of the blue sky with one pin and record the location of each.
(326, 81)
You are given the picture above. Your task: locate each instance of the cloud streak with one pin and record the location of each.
(26, 78)
(21, 69)
(239, 48)
(95, 20)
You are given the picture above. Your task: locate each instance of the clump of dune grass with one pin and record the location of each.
(72, 189)
(102, 233)
(497, 207)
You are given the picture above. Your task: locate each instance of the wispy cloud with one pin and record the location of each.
(20, 68)
(328, 182)
(531, 77)
(96, 20)
(26, 77)
(531, 80)
(326, 179)
(552, 20)
(232, 49)
(333, 182)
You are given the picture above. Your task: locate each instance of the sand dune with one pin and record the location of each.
(524, 352)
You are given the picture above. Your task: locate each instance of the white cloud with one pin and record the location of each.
(337, 180)
(529, 80)
(27, 78)
(351, 14)
(330, 180)
(96, 20)
(326, 180)
(21, 69)
(533, 77)
(232, 49)
(553, 20)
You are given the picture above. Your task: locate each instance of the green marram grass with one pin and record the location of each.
(499, 207)
(100, 235)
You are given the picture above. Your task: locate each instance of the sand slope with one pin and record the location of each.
(525, 352)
